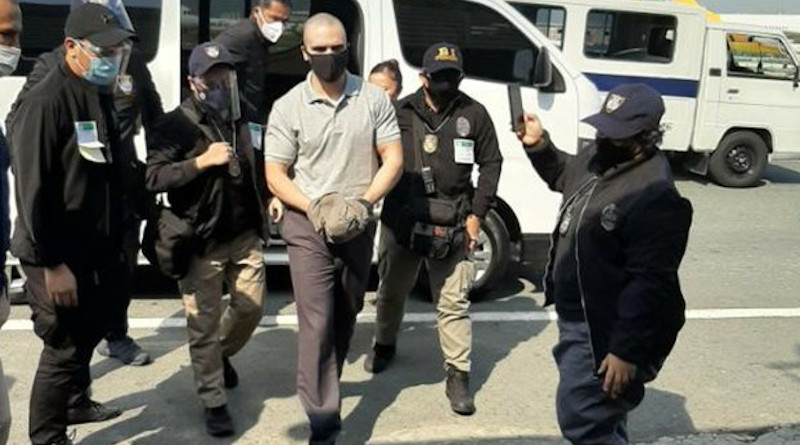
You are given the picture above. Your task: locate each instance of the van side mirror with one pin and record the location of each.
(543, 71)
(523, 66)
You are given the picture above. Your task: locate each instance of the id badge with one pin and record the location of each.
(464, 151)
(89, 144)
(256, 134)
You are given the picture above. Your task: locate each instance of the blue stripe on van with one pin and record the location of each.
(667, 87)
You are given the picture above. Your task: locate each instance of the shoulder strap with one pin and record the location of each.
(417, 130)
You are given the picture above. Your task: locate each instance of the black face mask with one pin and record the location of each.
(443, 91)
(610, 154)
(329, 67)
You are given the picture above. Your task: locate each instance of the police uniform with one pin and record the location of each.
(69, 207)
(613, 268)
(440, 149)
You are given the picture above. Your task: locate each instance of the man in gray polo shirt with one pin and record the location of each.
(338, 135)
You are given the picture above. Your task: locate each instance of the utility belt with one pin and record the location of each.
(438, 223)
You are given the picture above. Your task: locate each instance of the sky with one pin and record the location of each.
(753, 6)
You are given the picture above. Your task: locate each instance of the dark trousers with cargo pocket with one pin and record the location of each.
(586, 414)
(69, 335)
(329, 285)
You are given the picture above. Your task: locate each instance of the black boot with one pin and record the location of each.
(229, 374)
(378, 360)
(89, 411)
(457, 391)
(219, 422)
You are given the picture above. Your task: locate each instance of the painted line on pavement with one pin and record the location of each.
(425, 317)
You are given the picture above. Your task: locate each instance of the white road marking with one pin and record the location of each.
(426, 317)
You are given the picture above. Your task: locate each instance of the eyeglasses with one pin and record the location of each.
(110, 51)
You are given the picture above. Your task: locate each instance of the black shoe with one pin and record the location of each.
(378, 360)
(91, 411)
(219, 422)
(457, 391)
(125, 350)
(229, 374)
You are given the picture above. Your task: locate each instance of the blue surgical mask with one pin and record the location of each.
(102, 70)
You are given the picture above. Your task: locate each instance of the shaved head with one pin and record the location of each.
(321, 27)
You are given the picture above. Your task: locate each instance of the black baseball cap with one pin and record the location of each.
(627, 111)
(97, 24)
(208, 55)
(442, 56)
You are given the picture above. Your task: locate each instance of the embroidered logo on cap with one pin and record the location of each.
(212, 51)
(446, 54)
(614, 102)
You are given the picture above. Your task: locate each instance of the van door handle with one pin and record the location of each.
(733, 91)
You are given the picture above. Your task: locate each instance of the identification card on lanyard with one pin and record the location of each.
(256, 135)
(464, 151)
(89, 144)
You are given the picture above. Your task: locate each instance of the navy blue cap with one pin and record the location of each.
(208, 55)
(442, 56)
(628, 110)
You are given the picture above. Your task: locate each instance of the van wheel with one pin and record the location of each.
(739, 161)
(492, 255)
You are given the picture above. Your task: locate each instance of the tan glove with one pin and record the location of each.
(337, 218)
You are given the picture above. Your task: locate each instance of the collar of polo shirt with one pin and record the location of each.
(352, 87)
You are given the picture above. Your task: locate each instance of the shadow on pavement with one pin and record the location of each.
(660, 414)
(777, 174)
(419, 362)
(791, 369)
(172, 412)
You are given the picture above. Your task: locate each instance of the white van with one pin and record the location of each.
(731, 90)
(499, 47)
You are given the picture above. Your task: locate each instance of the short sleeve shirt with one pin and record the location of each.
(331, 146)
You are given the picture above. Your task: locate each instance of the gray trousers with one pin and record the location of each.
(329, 282)
(586, 415)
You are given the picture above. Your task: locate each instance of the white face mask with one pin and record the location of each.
(272, 31)
(9, 58)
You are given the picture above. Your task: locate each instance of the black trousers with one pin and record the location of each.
(69, 335)
(118, 316)
(329, 284)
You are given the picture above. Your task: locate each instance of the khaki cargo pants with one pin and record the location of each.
(212, 333)
(450, 281)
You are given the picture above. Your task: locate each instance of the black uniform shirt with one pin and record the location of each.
(250, 51)
(69, 206)
(466, 120)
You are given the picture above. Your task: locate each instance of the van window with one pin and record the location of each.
(550, 20)
(202, 20)
(43, 23)
(630, 36)
(757, 56)
(491, 44)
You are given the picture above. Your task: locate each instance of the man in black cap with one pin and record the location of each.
(434, 214)
(136, 104)
(203, 156)
(613, 271)
(69, 210)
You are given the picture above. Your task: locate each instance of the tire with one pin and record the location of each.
(492, 256)
(739, 160)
